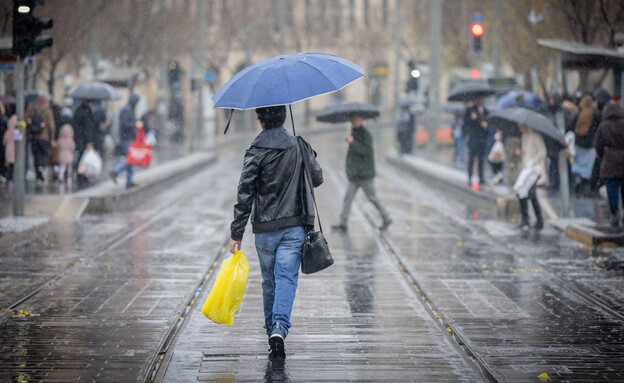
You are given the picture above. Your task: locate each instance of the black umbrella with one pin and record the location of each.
(467, 91)
(454, 109)
(93, 90)
(342, 112)
(508, 120)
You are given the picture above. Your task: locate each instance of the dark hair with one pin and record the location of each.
(271, 116)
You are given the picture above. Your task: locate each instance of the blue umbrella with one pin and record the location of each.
(512, 99)
(286, 79)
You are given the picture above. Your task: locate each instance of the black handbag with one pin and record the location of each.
(316, 255)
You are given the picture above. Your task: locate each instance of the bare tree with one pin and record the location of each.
(72, 22)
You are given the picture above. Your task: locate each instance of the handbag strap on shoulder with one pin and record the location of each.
(308, 180)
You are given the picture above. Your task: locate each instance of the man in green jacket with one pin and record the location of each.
(360, 172)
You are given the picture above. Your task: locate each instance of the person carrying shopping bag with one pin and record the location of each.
(533, 154)
(128, 126)
(269, 194)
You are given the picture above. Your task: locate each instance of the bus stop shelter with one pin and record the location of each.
(579, 56)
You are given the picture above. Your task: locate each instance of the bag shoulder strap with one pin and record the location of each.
(140, 136)
(308, 179)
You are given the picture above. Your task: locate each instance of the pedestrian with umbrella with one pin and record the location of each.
(360, 162)
(273, 170)
(533, 154)
(538, 133)
(475, 127)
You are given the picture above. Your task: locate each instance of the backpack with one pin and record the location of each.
(35, 125)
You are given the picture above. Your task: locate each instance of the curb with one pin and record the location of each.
(108, 197)
(593, 237)
(506, 206)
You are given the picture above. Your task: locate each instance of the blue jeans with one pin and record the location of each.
(614, 190)
(279, 253)
(460, 149)
(123, 166)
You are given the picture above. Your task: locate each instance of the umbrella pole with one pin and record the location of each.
(292, 120)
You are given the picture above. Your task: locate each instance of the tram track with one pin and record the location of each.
(386, 246)
(109, 244)
(447, 326)
(161, 357)
(564, 283)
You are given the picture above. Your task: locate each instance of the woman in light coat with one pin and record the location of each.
(533, 154)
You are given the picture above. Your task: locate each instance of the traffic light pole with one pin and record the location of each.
(20, 143)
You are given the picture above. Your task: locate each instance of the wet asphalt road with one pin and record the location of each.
(447, 291)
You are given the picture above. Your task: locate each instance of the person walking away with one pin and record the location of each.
(476, 130)
(609, 145)
(496, 157)
(269, 191)
(458, 137)
(584, 125)
(405, 131)
(85, 132)
(127, 133)
(8, 142)
(67, 147)
(40, 129)
(360, 166)
(533, 152)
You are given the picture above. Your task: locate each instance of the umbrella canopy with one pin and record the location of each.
(341, 112)
(286, 79)
(93, 90)
(513, 99)
(454, 109)
(467, 91)
(509, 119)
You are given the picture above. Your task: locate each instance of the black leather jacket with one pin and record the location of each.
(269, 189)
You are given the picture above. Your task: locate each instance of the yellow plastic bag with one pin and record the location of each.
(228, 289)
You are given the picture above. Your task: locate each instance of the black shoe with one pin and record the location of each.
(276, 342)
(614, 220)
(385, 225)
(539, 225)
(131, 185)
(341, 228)
(113, 176)
(524, 225)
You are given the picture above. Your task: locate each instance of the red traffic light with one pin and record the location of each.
(477, 29)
